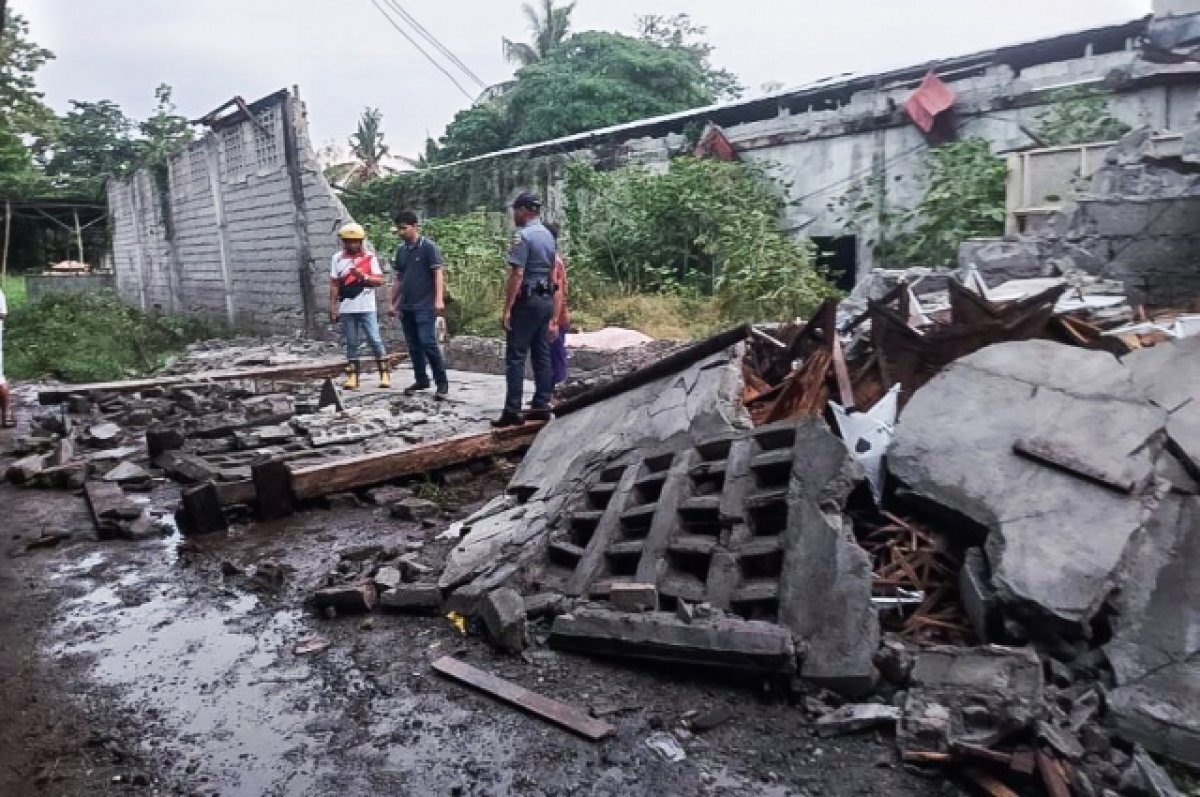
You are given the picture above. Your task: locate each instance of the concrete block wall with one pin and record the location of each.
(243, 231)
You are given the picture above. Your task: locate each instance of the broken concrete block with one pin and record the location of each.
(200, 511)
(411, 569)
(974, 696)
(126, 472)
(954, 445)
(1169, 373)
(388, 495)
(977, 596)
(25, 469)
(825, 586)
(628, 597)
(347, 599)
(387, 578)
(1155, 650)
(62, 453)
(187, 468)
(503, 613)
(1154, 778)
(412, 598)
(729, 643)
(415, 509)
(854, 717)
(544, 604)
(104, 435)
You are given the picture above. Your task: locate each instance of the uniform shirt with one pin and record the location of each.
(533, 249)
(415, 264)
(365, 301)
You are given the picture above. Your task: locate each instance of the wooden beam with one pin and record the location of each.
(352, 473)
(561, 714)
(989, 784)
(671, 364)
(313, 369)
(1052, 775)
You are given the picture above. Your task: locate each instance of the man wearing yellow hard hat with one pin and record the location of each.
(353, 277)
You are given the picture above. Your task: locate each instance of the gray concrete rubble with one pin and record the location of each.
(1056, 541)
(504, 616)
(1169, 373)
(976, 696)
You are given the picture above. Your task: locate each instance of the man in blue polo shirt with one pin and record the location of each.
(418, 296)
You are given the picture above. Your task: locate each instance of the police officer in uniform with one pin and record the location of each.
(528, 309)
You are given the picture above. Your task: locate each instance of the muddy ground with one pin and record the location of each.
(158, 668)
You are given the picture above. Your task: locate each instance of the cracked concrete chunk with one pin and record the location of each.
(1155, 652)
(973, 696)
(825, 589)
(1170, 375)
(1056, 542)
(503, 613)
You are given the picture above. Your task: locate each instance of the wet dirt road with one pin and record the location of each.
(160, 667)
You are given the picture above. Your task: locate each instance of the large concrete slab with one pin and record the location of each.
(1155, 652)
(1170, 375)
(1056, 541)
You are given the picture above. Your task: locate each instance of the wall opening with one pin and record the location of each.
(839, 256)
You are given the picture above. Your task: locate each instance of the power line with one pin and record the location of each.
(429, 37)
(421, 50)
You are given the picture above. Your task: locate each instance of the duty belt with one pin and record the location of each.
(539, 288)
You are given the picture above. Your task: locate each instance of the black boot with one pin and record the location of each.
(506, 419)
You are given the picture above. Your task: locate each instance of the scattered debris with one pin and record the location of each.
(667, 746)
(854, 717)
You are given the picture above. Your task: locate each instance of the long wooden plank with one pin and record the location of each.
(561, 714)
(989, 784)
(312, 369)
(351, 473)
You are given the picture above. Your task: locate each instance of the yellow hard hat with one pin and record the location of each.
(352, 232)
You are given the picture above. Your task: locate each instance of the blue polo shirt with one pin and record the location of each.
(415, 264)
(533, 249)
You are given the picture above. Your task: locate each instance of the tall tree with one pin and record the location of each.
(25, 114)
(679, 32)
(367, 150)
(165, 132)
(550, 28)
(95, 142)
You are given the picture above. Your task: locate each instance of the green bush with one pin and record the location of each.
(703, 228)
(92, 337)
(473, 246)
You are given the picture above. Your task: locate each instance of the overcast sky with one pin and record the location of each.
(343, 54)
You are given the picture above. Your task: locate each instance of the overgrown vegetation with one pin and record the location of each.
(704, 228)
(1078, 116)
(963, 197)
(92, 337)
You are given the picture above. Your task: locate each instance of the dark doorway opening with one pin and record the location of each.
(839, 256)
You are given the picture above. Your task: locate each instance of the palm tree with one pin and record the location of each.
(549, 29)
(368, 151)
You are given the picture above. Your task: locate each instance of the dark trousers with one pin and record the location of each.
(420, 336)
(527, 339)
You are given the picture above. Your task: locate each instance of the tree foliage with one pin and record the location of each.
(368, 151)
(704, 227)
(679, 32)
(95, 141)
(589, 81)
(549, 28)
(24, 114)
(1078, 116)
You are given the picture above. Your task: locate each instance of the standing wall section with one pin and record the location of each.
(241, 232)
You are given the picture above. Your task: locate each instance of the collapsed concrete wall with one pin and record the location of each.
(240, 230)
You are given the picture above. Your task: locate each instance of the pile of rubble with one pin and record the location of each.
(1038, 496)
(207, 426)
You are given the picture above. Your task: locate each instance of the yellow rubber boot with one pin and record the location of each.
(385, 376)
(351, 382)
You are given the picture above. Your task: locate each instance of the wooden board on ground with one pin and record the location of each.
(352, 473)
(561, 714)
(312, 369)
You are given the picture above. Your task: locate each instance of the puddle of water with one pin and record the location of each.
(217, 677)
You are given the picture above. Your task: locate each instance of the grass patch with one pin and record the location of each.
(663, 316)
(92, 337)
(14, 292)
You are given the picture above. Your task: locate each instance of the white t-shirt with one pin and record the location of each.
(365, 301)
